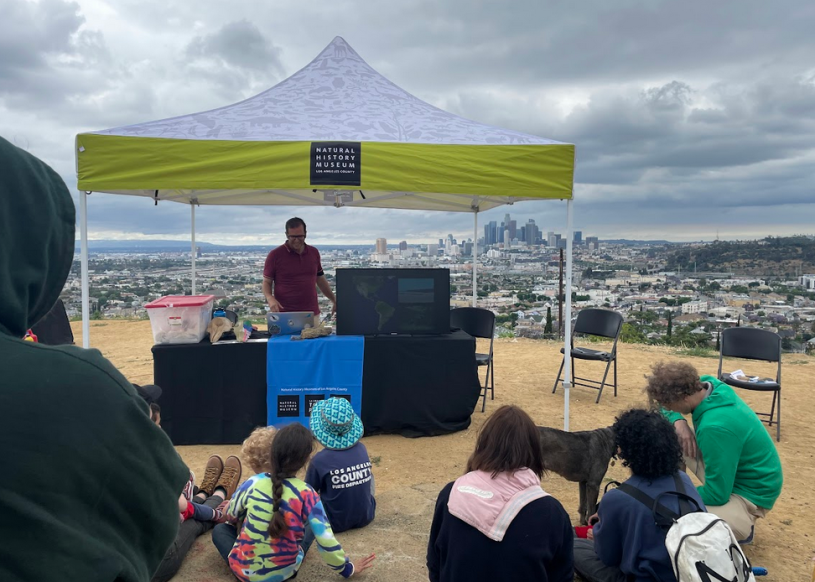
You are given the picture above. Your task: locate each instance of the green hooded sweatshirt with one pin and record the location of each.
(739, 454)
(89, 488)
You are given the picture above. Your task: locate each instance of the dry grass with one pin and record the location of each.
(411, 472)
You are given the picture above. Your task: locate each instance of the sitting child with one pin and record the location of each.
(274, 509)
(341, 472)
(256, 450)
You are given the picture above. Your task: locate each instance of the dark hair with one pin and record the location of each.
(294, 223)
(291, 449)
(508, 441)
(155, 410)
(648, 443)
(670, 382)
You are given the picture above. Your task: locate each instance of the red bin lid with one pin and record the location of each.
(180, 301)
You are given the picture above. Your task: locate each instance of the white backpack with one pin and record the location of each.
(702, 546)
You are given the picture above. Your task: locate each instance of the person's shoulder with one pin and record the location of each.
(444, 494)
(85, 371)
(551, 505)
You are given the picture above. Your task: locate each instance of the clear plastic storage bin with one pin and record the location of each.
(180, 319)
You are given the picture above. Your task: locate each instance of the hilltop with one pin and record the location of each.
(411, 472)
(783, 257)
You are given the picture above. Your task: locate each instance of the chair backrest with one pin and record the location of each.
(475, 321)
(600, 322)
(751, 343)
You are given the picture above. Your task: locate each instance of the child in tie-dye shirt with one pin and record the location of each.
(274, 509)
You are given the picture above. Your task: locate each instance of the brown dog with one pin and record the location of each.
(582, 457)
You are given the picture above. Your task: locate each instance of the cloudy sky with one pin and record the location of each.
(691, 118)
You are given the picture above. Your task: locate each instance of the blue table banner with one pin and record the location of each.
(301, 372)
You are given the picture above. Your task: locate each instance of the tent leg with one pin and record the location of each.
(475, 257)
(83, 259)
(567, 323)
(193, 250)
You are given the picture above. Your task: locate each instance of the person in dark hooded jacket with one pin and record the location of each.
(90, 485)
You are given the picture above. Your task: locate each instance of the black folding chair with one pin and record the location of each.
(751, 343)
(597, 322)
(478, 323)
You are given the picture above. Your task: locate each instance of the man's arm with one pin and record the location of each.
(721, 450)
(274, 304)
(325, 288)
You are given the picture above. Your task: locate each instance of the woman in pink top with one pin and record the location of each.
(495, 522)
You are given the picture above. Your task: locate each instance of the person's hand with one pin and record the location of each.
(589, 534)
(363, 564)
(594, 519)
(334, 307)
(274, 305)
(686, 439)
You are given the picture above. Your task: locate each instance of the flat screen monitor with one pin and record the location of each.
(393, 301)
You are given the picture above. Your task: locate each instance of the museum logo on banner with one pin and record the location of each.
(336, 163)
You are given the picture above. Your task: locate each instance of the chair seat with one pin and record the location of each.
(747, 385)
(589, 354)
(482, 359)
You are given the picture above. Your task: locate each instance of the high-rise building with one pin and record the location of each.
(441, 243)
(550, 240)
(522, 234)
(468, 249)
(532, 232)
(512, 226)
(432, 250)
(403, 245)
(381, 246)
(592, 243)
(507, 239)
(578, 237)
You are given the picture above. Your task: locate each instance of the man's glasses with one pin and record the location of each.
(296, 236)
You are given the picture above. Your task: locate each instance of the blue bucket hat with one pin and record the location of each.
(334, 424)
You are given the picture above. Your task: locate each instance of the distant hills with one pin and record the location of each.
(769, 257)
(177, 246)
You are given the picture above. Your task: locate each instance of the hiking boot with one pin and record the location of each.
(231, 476)
(212, 474)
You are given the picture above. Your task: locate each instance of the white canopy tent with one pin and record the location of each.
(386, 149)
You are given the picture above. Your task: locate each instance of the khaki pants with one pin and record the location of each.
(739, 513)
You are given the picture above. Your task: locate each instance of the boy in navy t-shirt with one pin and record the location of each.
(341, 473)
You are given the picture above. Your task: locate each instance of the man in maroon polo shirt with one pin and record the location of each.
(293, 273)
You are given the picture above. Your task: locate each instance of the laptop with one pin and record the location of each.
(289, 323)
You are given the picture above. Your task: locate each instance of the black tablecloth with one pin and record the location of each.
(216, 394)
(211, 394)
(415, 386)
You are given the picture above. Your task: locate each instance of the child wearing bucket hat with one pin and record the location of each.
(341, 472)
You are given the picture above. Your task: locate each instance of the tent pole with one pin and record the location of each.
(475, 255)
(83, 259)
(567, 320)
(193, 250)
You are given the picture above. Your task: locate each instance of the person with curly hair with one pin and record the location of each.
(256, 450)
(273, 509)
(627, 544)
(495, 522)
(728, 448)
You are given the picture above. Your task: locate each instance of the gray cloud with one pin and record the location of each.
(688, 119)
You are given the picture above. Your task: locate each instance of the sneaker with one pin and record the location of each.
(230, 477)
(188, 488)
(215, 466)
(220, 512)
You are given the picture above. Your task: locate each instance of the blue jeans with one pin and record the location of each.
(223, 537)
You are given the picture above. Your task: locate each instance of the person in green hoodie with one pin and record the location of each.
(90, 485)
(731, 452)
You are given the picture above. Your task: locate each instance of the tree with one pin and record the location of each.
(670, 325)
(631, 334)
(548, 327)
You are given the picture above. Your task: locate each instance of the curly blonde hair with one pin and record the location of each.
(670, 382)
(257, 449)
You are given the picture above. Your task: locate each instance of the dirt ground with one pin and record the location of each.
(410, 472)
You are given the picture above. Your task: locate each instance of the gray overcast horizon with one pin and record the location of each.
(691, 119)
